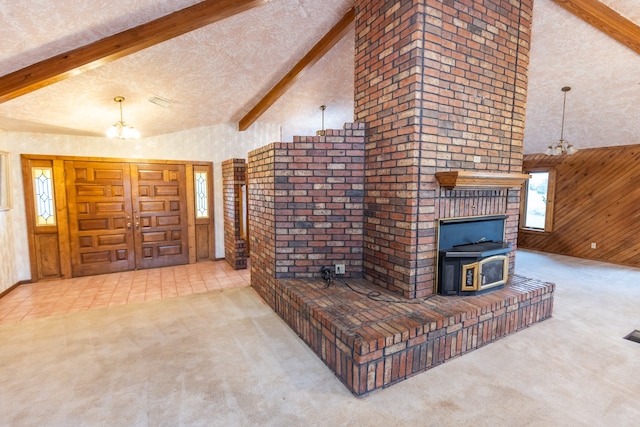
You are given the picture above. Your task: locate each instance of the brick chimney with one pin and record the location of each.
(441, 85)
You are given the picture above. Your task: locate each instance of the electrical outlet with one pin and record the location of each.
(339, 268)
(593, 245)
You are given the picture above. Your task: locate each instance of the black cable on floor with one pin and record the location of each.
(378, 296)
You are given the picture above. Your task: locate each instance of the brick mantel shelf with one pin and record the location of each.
(480, 180)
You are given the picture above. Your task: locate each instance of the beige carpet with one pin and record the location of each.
(224, 358)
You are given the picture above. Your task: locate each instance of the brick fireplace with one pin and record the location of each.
(440, 92)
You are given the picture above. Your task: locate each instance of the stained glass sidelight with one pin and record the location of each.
(43, 192)
(202, 195)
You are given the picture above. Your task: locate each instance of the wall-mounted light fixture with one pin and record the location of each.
(120, 129)
(562, 146)
(322, 132)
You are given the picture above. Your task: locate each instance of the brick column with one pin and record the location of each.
(234, 173)
(441, 86)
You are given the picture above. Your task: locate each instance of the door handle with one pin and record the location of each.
(129, 225)
(137, 225)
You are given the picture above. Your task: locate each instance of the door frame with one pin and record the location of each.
(59, 245)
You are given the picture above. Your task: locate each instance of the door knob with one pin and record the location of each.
(128, 225)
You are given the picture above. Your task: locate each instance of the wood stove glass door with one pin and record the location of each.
(493, 271)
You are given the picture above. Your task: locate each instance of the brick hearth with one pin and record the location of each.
(373, 344)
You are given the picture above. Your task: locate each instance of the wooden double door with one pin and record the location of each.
(125, 216)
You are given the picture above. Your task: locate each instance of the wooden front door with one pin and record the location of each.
(160, 213)
(124, 216)
(100, 215)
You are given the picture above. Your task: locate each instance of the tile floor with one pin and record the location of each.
(49, 298)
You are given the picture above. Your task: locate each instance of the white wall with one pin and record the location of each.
(8, 265)
(212, 144)
(9, 242)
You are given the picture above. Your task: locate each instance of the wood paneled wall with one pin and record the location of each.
(597, 200)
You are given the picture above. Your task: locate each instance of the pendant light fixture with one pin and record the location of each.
(322, 132)
(562, 146)
(120, 129)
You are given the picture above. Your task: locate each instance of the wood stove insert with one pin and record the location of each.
(475, 257)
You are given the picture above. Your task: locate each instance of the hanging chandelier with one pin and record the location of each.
(120, 129)
(562, 146)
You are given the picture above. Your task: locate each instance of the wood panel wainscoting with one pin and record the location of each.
(107, 215)
(597, 194)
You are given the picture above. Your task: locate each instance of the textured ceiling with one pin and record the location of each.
(212, 75)
(216, 74)
(604, 76)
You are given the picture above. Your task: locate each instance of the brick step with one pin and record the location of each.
(373, 343)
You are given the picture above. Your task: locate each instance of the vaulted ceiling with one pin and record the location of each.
(219, 72)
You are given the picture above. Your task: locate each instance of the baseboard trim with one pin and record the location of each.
(9, 289)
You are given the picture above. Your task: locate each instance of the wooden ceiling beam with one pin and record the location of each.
(109, 49)
(606, 20)
(318, 51)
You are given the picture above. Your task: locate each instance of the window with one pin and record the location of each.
(5, 187)
(43, 196)
(202, 195)
(537, 200)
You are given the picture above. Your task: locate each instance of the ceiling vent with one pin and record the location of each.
(162, 102)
